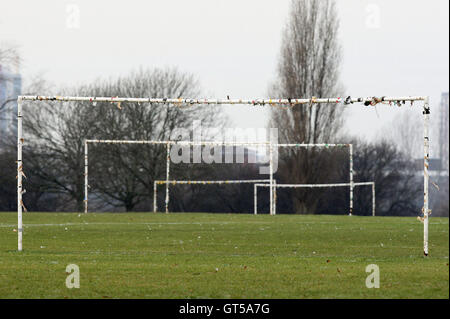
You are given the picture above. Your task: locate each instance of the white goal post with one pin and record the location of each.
(292, 102)
(213, 143)
(168, 145)
(189, 182)
(86, 159)
(255, 190)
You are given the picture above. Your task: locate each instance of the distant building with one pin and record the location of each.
(10, 88)
(443, 133)
(439, 153)
(439, 198)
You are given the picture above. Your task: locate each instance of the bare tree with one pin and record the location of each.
(9, 55)
(398, 187)
(405, 131)
(308, 67)
(121, 176)
(38, 198)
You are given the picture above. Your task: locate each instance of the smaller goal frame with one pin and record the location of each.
(255, 192)
(206, 182)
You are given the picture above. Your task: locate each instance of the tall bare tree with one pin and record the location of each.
(37, 196)
(308, 67)
(405, 130)
(10, 56)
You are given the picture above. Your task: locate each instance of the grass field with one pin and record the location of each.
(146, 255)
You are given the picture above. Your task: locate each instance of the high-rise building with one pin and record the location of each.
(439, 197)
(10, 88)
(443, 132)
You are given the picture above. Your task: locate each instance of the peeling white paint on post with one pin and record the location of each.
(86, 182)
(214, 143)
(426, 150)
(238, 181)
(19, 174)
(271, 177)
(255, 199)
(373, 199)
(129, 142)
(155, 189)
(275, 197)
(326, 145)
(167, 177)
(257, 102)
(350, 150)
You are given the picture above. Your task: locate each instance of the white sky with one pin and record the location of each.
(390, 47)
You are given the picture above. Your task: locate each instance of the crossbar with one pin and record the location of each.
(367, 101)
(283, 101)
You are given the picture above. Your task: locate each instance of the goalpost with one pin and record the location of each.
(255, 190)
(168, 145)
(191, 143)
(86, 159)
(190, 182)
(292, 102)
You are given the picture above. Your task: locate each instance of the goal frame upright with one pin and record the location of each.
(168, 145)
(167, 182)
(368, 101)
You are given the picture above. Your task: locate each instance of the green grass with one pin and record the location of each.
(146, 255)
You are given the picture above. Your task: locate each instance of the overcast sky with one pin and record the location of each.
(390, 47)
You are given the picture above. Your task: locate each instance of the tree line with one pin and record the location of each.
(121, 176)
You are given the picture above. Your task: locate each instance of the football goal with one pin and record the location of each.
(168, 182)
(255, 192)
(291, 102)
(178, 182)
